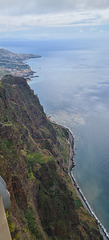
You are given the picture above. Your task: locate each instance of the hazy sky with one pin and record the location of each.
(53, 18)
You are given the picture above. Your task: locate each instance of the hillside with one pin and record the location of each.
(14, 64)
(34, 155)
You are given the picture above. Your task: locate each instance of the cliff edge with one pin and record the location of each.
(34, 155)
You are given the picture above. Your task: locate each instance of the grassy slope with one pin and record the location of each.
(33, 161)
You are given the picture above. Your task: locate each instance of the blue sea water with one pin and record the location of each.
(73, 87)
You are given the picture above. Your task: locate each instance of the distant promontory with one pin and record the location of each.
(14, 64)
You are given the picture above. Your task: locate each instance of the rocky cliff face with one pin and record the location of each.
(34, 157)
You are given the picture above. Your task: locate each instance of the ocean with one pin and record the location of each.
(73, 87)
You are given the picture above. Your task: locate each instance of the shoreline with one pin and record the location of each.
(85, 203)
(16, 64)
(71, 166)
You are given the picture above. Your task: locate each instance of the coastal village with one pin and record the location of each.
(15, 64)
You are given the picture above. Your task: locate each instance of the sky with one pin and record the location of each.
(44, 19)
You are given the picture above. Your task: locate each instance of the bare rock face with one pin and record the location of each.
(34, 157)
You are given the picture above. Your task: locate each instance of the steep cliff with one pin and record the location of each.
(34, 157)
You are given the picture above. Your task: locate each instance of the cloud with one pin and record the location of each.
(66, 19)
(23, 14)
(22, 7)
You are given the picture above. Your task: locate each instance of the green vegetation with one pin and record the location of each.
(39, 157)
(32, 224)
(32, 159)
(14, 232)
(65, 133)
(78, 203)
(7, 151)
(62, 136)
(30, 173)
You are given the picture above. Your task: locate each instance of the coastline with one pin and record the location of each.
(71, 165)
(16, 64)
(85, 203)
